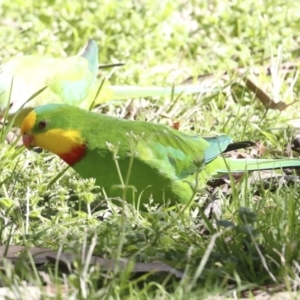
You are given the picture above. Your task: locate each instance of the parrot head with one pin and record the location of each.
(49, 127)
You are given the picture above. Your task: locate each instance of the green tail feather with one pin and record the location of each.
(123, 92)
(110, 92)
(223, 165)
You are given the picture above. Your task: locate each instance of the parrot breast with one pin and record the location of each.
(75, 155)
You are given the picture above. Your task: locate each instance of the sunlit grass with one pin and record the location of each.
(254, 242)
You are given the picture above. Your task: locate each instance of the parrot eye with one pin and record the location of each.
(42, 124)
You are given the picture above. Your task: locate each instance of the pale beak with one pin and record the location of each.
(27, 140)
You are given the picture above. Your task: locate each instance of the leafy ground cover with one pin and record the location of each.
(249, 244)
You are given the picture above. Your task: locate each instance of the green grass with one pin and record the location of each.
(255, 241)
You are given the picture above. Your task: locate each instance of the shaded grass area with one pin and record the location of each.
(255, 240)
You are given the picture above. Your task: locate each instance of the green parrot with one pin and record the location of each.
(162, 162)
(71, 80)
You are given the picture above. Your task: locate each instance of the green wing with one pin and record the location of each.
(72, 78)
(181, 154)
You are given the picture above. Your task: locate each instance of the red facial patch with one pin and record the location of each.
(75, 155)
